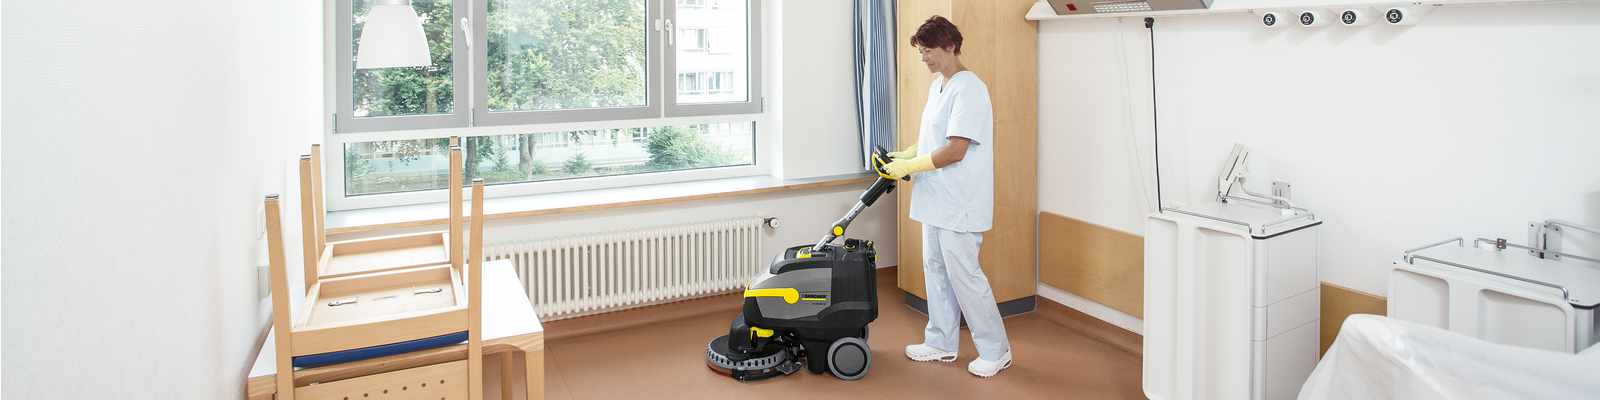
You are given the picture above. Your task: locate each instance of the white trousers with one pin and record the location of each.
(956, 286)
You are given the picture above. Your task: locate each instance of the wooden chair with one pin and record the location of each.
(382, 312)
(353, 257)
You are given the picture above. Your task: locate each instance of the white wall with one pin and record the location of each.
(139, 142)
(1473, 123)
(812, 88)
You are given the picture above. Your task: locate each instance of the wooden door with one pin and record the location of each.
(1001, 48)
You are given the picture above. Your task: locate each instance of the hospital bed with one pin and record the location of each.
(1500, 292)
(1385, 358)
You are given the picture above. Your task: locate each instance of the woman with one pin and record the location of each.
(953, 198)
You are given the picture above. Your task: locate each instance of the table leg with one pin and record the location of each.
(533, 365)
(508, 375)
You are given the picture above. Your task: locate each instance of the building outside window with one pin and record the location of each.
(712, 52)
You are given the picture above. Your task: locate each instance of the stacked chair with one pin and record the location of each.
(355, 257)
(378, 297)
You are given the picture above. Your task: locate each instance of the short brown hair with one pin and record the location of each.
(937, 32)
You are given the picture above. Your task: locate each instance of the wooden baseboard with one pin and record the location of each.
(1090, 326)
(1007, 309)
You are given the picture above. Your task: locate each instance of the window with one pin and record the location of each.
(394, 166)
(721, 83)
(567, 60)
(688, 83)
(717, 41)
(703, 85)
(549, 61)
(402, 97)
(548, 85)
(695, 39)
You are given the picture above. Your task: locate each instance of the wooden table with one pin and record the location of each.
(513, 343)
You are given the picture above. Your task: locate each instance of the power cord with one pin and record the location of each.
(1155, 120)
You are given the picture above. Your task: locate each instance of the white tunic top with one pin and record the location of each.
(960, 196)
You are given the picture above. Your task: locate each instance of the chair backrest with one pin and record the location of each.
(280, 299)
(475, 290)
(313, 238)
(455, 202)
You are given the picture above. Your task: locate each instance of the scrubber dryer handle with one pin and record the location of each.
(885, 184)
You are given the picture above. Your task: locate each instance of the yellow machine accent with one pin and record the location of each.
(814, 298)
(758, 332)
(838, 230)
(789, 295)
(802, 254)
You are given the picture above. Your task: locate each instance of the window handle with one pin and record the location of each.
(672, 34)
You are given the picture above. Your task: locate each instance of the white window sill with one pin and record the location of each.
(410, 216)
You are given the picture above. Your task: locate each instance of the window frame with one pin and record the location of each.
(753, 101)
(471, 118)
(482, 116)
(344, 69)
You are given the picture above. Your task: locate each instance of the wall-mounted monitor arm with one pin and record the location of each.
(1233, 170)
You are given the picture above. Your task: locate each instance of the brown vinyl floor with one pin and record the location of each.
(665, 360)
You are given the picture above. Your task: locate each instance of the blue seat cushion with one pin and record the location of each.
(343, 356)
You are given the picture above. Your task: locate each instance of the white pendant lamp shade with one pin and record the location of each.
(392, 37)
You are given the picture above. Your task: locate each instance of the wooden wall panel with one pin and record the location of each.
(1001, 48)
(1011, 73)
(1097, 263)
(911, 93)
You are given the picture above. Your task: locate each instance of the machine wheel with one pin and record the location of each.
(849, 358)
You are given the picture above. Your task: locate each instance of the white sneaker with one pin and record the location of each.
(985, 368)
(922, 352)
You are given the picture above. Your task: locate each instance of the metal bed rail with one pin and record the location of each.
(1572, 225)
(1303, 214)
(1501, 244)
(1410, 256)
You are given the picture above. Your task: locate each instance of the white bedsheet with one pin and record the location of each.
(1381, 358)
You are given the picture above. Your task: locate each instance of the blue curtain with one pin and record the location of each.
(874, 62)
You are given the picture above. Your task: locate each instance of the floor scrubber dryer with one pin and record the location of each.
(811, 307)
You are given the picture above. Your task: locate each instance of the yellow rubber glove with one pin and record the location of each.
(902, 154)
(902, 167)
(878, 162)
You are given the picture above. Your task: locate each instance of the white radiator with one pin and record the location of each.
(581, 275)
